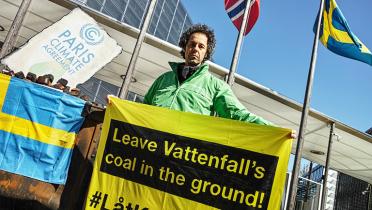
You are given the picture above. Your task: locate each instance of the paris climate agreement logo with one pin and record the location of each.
(91, 34)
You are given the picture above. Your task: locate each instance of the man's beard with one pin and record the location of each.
(194, 62)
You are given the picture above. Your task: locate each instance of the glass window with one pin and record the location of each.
(176, 29)
(80, 1)
(132, 18)
(139, 99)
(135, 12)
(95, 4)
(131, 96)
(104, 90)
(167, 13)
(166, 19)
(120, 4)
(187, 24)
(97, 90)
(162, 30)
(153, 22)
(155, 17)
(114, 10)
(134, 97)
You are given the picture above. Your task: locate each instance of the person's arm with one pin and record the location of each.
(151, 92)
(228, 106)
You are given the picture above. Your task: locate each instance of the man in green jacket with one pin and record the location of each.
(190, 87)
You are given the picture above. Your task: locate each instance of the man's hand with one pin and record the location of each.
(293, 134)
(108, 100)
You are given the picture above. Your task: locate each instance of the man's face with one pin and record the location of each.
(196, 48)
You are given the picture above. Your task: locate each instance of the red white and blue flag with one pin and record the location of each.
(235, 10)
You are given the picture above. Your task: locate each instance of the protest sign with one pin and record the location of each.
(155, 158)
(73, 48)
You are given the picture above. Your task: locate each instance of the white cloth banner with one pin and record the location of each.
(73, 48)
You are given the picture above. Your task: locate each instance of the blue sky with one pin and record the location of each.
(276, 54)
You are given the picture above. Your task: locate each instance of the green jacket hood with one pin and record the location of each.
(204, 67)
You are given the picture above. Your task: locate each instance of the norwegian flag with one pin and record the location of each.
(235, 10)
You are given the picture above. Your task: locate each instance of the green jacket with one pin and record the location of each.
(201, 93)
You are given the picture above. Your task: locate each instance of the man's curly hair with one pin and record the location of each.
(199, 28)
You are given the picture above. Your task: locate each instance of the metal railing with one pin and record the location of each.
(308, 194)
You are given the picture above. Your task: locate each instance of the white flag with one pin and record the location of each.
(73, 48)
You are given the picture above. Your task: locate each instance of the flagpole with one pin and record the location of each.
(234, 62)
(326, 167)
(133, 60)
(305, 113)
(13, 32)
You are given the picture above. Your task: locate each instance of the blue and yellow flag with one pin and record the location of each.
(336, 35)
(38, 126)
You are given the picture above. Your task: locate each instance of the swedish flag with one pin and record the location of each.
(336, 35)
(38, 127)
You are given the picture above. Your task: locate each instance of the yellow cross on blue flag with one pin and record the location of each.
(336, 35)
(38, 127)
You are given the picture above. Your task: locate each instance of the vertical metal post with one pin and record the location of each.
(326, 168)
(134, 97)
(147, 4)
(11, 37)
(369, 197)
(308, 183)
(320, 197)
(238, 45)
(97, 91)
(287, 190)
(132, 63)
(305, 113)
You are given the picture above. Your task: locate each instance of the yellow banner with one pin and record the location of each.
(160, 159)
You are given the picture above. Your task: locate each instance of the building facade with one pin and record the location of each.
(168, 22)
(310, 186)
(343, 191)
(352, 194)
